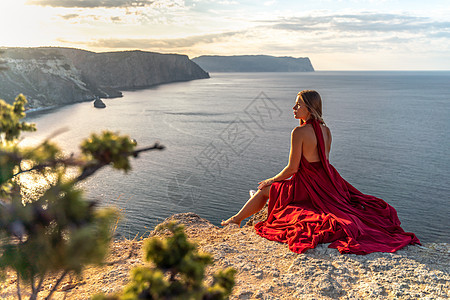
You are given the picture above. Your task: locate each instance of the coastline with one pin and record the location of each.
(51, 76)
(37, 110)
(41, 109)
(269, 270)
(34, 110)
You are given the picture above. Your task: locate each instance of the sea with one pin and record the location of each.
(224, 134)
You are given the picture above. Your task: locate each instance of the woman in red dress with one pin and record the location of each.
(310, 203)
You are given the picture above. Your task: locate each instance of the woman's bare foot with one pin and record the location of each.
(231, 220)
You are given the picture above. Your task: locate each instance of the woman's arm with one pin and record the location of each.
(294, 159)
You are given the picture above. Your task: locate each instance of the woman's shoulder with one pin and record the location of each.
(325, 128)
(308, 131)
(302, 130)
(326, 133)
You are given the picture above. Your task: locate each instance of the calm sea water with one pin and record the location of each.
(225, 134)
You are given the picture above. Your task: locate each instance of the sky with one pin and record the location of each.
(334, 34)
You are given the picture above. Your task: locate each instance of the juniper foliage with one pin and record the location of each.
(178, 271)
(57, 231)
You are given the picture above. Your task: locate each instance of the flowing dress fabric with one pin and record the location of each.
(318, 206)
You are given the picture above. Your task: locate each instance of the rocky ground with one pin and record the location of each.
(269, 270)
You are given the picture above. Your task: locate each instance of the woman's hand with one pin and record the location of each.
(264, 183)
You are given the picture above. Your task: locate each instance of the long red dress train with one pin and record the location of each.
(318, 206)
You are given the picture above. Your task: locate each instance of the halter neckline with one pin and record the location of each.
(310, 121)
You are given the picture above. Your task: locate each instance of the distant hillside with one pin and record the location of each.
(55, 76)
(253, 63)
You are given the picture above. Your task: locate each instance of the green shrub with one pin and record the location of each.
(178, 271)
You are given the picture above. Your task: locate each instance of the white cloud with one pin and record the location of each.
(359, 22)
(228, 27)
(91, 3)
(167, 44)
(70, 16)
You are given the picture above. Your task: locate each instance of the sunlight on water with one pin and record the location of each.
(33, 184)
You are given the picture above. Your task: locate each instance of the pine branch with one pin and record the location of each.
(19, 296)
(56, 284)
(70, 162)
(89, 170)
(33, 288)
(41, 281)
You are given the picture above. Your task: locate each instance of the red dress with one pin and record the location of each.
(318, 206)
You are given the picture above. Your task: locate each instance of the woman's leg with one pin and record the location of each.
(253, 205)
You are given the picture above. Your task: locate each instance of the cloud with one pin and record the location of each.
(361, 32)
(371, 22)
(316, 35)
(79, 18)
(167, 44)
(441, 35)
(101, 18)
(70, 16)
(91, 3)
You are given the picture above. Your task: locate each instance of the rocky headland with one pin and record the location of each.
(269, 270)
(253, 63)
(50, 76)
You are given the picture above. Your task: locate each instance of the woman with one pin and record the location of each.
(316, 205)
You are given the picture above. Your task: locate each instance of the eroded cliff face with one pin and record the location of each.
(134, 69)
(56, 76)
(253, 63)
(46, 78)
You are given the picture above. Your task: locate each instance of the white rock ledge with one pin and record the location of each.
(269, 270)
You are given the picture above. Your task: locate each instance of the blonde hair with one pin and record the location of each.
(313, 103)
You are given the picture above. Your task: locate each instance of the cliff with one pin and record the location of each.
(254, 63)
(269, 270)
(55, 76)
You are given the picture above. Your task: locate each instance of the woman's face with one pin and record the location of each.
(300, 110)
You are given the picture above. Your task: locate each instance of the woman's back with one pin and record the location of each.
(309, 148)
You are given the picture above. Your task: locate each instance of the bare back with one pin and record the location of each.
(309, 147)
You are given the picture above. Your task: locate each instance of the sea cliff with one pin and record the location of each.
(269, 270)
(253, 63)
(50, 76)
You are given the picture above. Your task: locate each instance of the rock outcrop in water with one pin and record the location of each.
(55, 76)
(254, 63)
(98, 103)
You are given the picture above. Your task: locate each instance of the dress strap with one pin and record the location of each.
(323, 158)
(320, 142)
